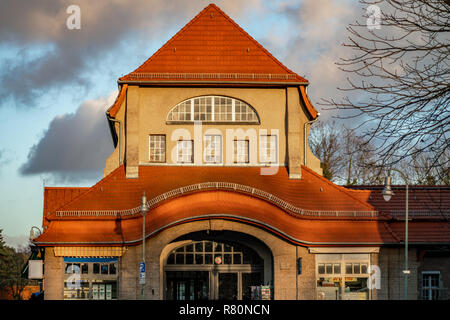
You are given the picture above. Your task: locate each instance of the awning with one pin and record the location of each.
(89, 251)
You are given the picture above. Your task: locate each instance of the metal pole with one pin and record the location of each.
(143, 250)
(406, 242)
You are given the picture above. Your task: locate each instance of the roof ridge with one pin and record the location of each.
(341, 189)
(230, 20)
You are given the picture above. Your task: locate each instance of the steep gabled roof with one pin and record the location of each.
(212, 47)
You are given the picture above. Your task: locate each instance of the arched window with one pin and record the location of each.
(217, 109)
(209, 253)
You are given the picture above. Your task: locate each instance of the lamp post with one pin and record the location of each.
(143, 209)
(387, 194)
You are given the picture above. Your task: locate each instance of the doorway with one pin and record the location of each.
(212, 270)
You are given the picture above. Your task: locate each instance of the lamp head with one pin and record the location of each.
(144, 206)
(387, 191)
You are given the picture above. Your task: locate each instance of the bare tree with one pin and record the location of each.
(345, 158)
(399, 80)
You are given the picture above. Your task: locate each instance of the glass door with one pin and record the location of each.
(228, 286)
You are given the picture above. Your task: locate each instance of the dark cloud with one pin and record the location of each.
(66, 54)
(75, 146)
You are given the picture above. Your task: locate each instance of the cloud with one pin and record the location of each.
(318, 28)
(75, 146)
(50, 56)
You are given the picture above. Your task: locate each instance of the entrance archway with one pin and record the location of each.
(211, 265)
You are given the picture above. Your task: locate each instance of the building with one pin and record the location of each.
(214, 130)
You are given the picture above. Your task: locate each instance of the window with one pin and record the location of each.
(342, 276)
(430, 285)
(157, 148)
(268, 148)
(240, 151)
(207, 252)
(185, 151)
(217, 109)
(213, 149)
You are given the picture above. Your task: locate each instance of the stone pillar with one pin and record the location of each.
(294, 132)
(132, 133)
(53, 275)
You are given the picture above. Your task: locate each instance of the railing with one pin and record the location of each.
(289, 208)
(220, 76)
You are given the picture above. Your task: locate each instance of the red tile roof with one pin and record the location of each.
(212, 47)
(73, 224)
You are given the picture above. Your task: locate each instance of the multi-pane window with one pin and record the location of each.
(430, 285)
(268, 148)
(213, 109)
(157, 148)
(208, 252)
(243, 112)
(240, 151)
(203, 109)
(223, 109)
(90, 278)
(213, 149)
(182, 112)
(185, 151)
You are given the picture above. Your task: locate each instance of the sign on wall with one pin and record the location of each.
(35, 269)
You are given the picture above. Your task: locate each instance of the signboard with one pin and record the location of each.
(35, 269)
(142, 273)
(218, 260)
(265, 292)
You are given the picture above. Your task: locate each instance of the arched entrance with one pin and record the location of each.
(211, 265)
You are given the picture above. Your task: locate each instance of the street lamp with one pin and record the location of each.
(143, 209)
(387, 194)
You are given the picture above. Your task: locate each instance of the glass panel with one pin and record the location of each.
(84, 268)
(208, 246)
(348, 268)
(96, 268)
(336, 268)
(356, 289)
(179, 259)
(218, 247)
(199, 259)
(189, 248)
(112, 268)
(227, 258)
(189, 258)
(356, 268)
(199, 247)
(329, 288)
(227, 286)
(237, 258)
(364, 268)
(321, 268)
(329, 268)
(227, 248)
(208, 258)
(104, 269)
(171, 259)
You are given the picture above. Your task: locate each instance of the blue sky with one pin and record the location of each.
(55, 81)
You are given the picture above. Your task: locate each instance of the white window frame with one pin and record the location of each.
(429, 288)
(217, 147)
(183, 145)
(161, 148)
(236, 148)
(268, 142)
(249, 111)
